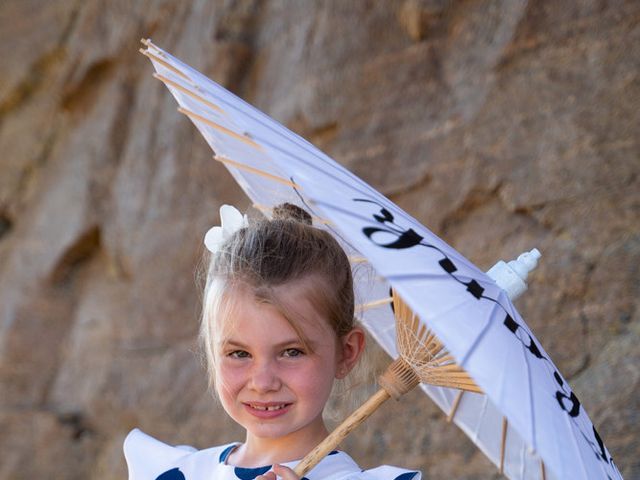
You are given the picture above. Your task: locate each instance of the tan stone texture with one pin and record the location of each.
(502, 125)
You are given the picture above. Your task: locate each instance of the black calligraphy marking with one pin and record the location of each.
(408, 238)
(523, 336)
(563, 395)
(475, 289)
(386, 216)
(447, 265)
(567, 400)
(603, 451)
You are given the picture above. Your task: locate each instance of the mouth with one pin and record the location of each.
(267, 410)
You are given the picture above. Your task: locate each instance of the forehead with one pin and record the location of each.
(286, 310)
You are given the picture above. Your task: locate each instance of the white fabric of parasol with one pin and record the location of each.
(528, 421)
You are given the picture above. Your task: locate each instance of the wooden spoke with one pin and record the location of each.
(257, 171)
(265, 209)
(165, 64)
(446, 358)
(375, 303)
(192, 94)
(543, 473)
(451, 368)
(459, 374)
(454, 407)
(426, 354)
(243, 138)
(467, 387)
(503, 443)
(353, 259)
(149, 44)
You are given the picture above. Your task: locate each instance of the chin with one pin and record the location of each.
(268, 432)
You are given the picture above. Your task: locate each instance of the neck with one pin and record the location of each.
(261, 451)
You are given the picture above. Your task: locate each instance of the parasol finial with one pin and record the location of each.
(512, 276)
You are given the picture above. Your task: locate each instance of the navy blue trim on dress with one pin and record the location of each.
(241, 472)
(173, 474)
(406, 476)
(225, 453)
(250, 473)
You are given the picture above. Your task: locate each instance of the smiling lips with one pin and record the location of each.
(267, 410)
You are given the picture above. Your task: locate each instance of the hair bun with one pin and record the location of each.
(289, 211)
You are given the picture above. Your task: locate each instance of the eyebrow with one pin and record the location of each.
(292, 341)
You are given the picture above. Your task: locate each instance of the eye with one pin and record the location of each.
(292, 352)
(239, 354)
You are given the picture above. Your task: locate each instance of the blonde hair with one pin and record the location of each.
(270, 253)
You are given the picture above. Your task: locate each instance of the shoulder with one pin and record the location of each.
(340, 466)
(387, 472)
(148, 458)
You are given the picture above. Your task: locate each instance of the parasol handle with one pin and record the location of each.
(339, 434)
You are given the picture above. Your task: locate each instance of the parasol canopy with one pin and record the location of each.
(522, 414)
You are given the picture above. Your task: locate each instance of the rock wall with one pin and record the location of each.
(502, 125)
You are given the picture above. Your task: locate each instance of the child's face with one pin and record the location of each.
(266, 378)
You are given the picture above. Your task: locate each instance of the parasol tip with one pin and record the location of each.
(512, 276)
(526, 262)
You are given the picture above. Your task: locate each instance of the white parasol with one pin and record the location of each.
(509, 398)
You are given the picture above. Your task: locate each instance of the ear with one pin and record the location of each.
(352, 345)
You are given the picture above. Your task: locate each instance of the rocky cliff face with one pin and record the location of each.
(502, 125)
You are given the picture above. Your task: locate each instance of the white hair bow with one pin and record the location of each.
(231, 221)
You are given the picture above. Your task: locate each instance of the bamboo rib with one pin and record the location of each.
(362, 307)
(449, 383)
(149, 44)
(438, 348)
(446, 358)
(503, 443)
(543, 473)
(452, 369)
(315, 218)
(467, 387)
(454, 408)
(433, 373)
(164, 63)
(257, 171)
(192, 94)
(353, 259)
(447, 380)
(243, 138)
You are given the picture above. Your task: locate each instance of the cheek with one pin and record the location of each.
(228, 381)
(316, 381)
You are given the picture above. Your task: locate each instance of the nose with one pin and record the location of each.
(265, 377)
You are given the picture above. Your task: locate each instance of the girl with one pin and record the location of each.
(277, 329)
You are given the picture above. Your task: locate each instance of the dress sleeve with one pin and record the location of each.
(147, 457)
(387, 472)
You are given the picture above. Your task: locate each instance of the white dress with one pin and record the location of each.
(150, 459)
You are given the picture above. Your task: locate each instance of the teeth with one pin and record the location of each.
(268, 409)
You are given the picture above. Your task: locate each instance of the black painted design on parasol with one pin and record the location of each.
(409, 238)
